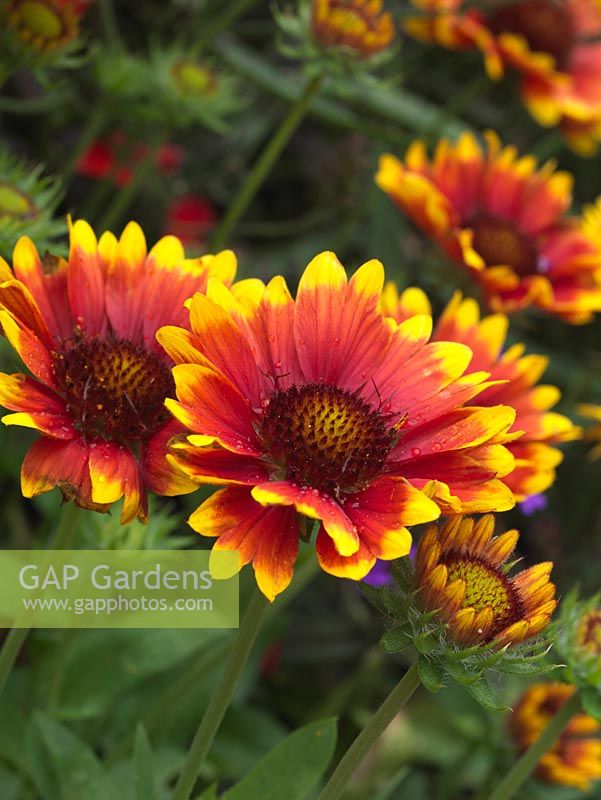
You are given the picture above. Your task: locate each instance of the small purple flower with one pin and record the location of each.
(532, 504)
(379, 575)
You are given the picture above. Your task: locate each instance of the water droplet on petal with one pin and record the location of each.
(416, 451)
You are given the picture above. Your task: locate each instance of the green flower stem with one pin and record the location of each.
(265, 162)
(90, 131)
(524, 766)
(234, 10)
(124, 197)
(370, 734)
(222, 696)
(14, 641)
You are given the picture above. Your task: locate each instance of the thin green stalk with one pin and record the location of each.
(524, 766)
(265, 162)
(370, 734)
(124, 198)
(223, 22)
(222, 696)
(15, 639)
(90, 131)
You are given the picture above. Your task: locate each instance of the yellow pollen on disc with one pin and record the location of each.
(193, 78)
(40, 20)
(484, 587)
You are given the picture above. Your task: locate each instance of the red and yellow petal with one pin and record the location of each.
(210, 404)
(354, 567)
(16, 298)
(216, 465)
(381, 513)
(114, 474)
(36, 406)
(33, 352)
(51, 463)
(222, 342)
(315, 505)
(267, 536)
(159, 473)
(85, 280)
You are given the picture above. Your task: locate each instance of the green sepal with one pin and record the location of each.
(482, 693)
(431, 673)
(396, 639)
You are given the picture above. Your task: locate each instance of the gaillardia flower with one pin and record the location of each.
(575, 759)
(554, 44)
(504, 220)
(461, 574)
(513, 381)
(360, 26)
(44, 25)
(85, 329)
(323, 406)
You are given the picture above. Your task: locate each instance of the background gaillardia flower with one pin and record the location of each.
(323, 406)
(462, 575)
(554, 44)
(361, 26)
(575, 759)
(514, 378)
(504, 220)
(42, 26)
(85, 329)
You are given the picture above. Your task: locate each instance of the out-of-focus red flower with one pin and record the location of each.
(270, 660)
(190, 217)
(116, 158)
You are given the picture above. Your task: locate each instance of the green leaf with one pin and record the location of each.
(482, 693)
(210, 793)
(396, 639)
(63, 767)
(143, 766)
(430, 673)
(591, 702)
(293, 768)
(373, 595)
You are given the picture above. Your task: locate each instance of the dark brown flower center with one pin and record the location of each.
(114, 389)
(485, 586)
(546, 25)
(327, 438)
(500, 243)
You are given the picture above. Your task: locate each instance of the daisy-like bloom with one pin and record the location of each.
(116, 157)
(504, 220)
(461, 573)
(85, 329)
(575, 759)
(361, 26)
(323, 406)
(514, 381)
(45, 25)
(554, 44)
(190, 218)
